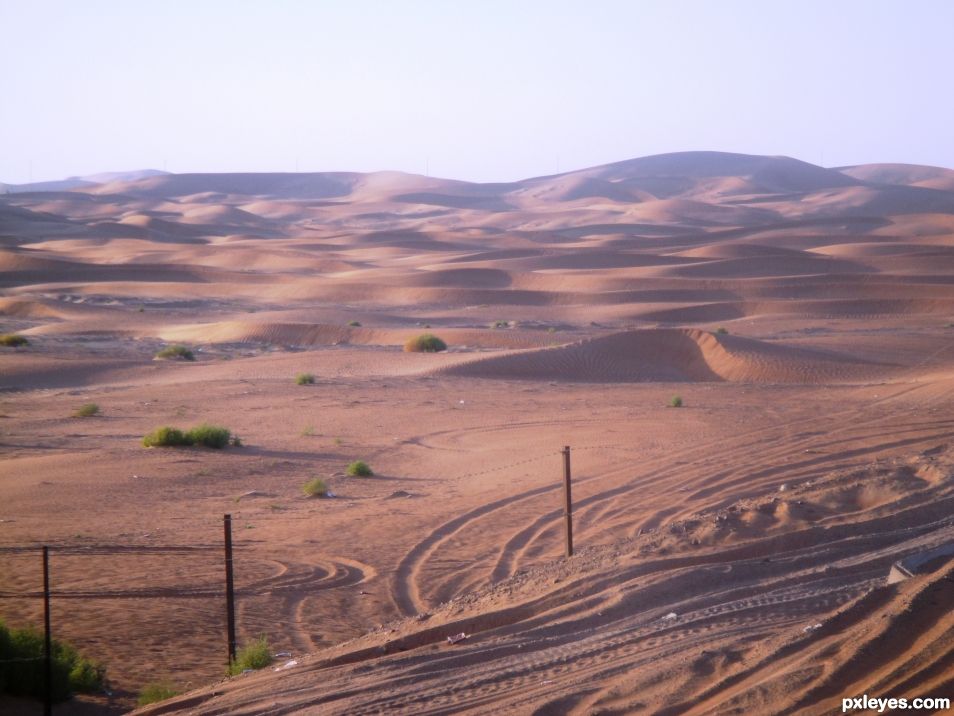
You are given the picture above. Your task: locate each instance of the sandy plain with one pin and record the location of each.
(731, 554)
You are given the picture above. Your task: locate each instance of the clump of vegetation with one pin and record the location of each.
(354, 324)
(13, 340)
(235, 441)
(254, 655)
(308, 431)
(22, 666)
(211, 436)
(675, 402)
(305, 379)
(722, 331)
(87, 410)
(155, 692)
(175, 352)
(315, 487)
(166, 436)
(425, 343)
(500, 324)
(359, 468)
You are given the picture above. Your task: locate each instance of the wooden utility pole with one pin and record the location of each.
(47, 638)
(567, 501)
(229, 589)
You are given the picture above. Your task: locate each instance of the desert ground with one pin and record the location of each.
(731, 554)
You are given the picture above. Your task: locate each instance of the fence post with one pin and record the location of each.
(567, 501)
(47, 639)
(229, 589)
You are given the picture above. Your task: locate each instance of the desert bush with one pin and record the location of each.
(722, 331)
(675, 402)
(87, 410)
(207, 435)
(22, 666)
(500, 324)
(315, 487)
(13, 340)
(175, 352)
(254, 655)
(304, 379)
(359, 468)
(425, 343)
(165, 436)
(235, 441)
(354, 324)
(155, 692)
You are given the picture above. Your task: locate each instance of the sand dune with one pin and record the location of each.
(731, 555)
(670, 356)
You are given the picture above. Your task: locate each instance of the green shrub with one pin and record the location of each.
(211, 436)
(359, 468)
(152, 693)
(86, 410)
(22, 666)
(315, 487)
(254, 655)
(175, 352)
(676, 402)
(87, 676)
(354, 324)
(722, 331)
(13, 340)
(425, 343)
(305, 379)
(165, 436)
(235, 441)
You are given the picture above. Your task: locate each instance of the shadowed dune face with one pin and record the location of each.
(731, 554)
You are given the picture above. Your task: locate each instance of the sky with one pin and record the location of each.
(482, 90)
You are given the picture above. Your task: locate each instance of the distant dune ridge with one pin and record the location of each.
(731, 554)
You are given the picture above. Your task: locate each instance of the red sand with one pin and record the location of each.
(813, 449)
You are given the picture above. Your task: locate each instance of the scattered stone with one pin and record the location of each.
(457, 638)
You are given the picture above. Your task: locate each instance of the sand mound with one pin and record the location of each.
(677, 355)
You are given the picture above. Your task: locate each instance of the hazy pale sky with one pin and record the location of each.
(480, 90)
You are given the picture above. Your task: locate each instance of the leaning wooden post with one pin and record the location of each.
(47, 638)
(567, 501)
(229, 589)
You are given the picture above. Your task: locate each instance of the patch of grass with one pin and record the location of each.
(339, 442)
(155, 692)
(13, 340)
(359, 468)
(175, 352)
(87, 410)
(425, 343)
(722, 331)
(166, 436)
(315, 487)
(235, 441)
(675, 401)
(22, 667)
(305, 379)
(307, 431)
(211, 436)
(254, 655)
(354, 324)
